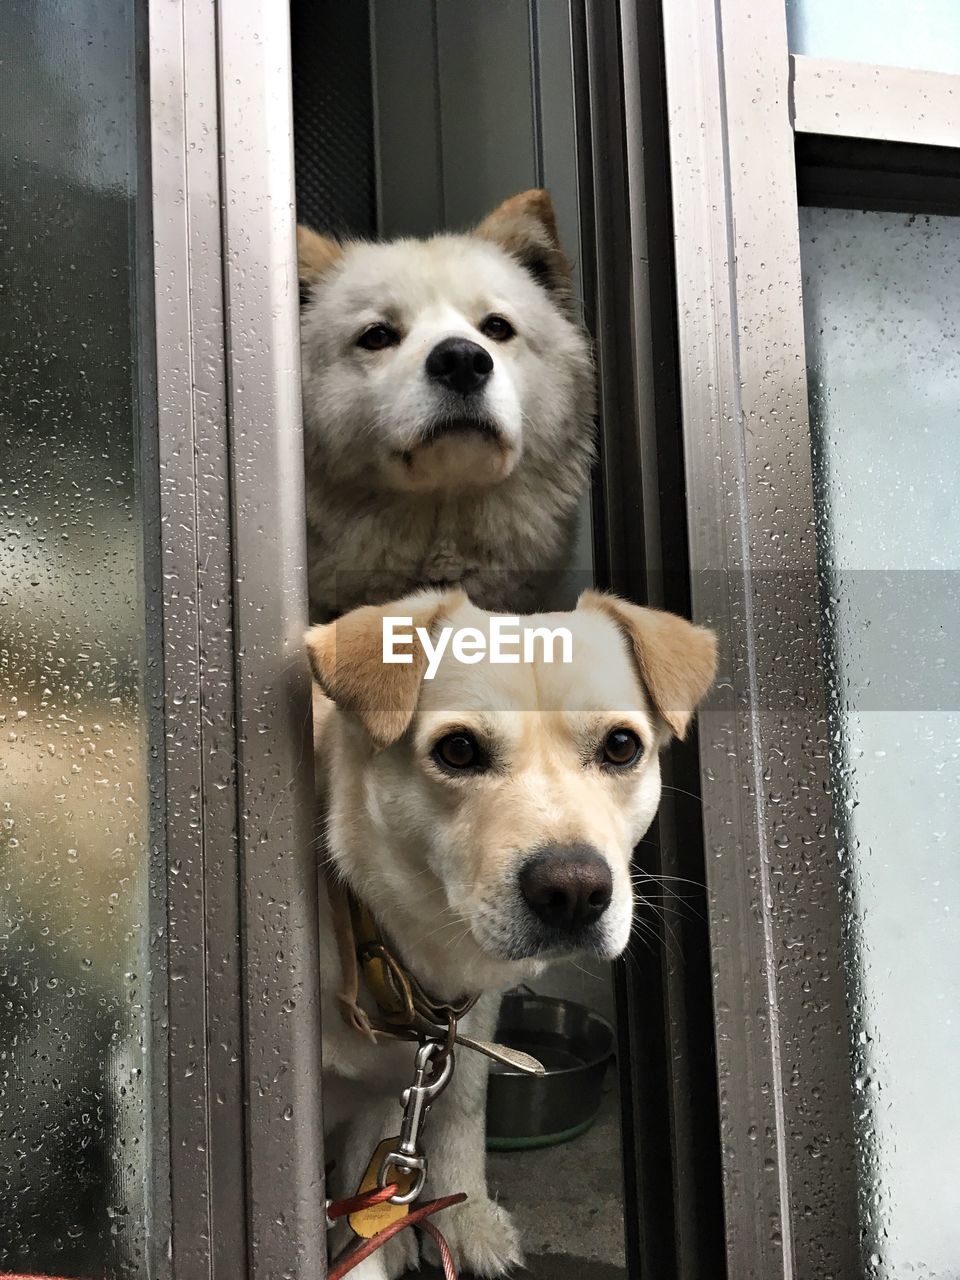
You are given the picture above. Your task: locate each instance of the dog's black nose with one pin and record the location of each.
(568, 888)
(459, 364)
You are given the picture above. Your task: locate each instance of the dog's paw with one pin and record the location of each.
(482, 1235)
(401, 1254)
(394, 1259)
(372, 1268)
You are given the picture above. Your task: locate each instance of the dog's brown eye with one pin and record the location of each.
(621, 747)
(498, 329)
(458, 751)
(378, 337)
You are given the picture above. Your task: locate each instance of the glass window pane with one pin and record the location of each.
(880, 300)
(898, 33)
(73, 750)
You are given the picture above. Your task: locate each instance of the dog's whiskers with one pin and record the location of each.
(677, 879)
(684, 901)
(448, 924)
(654, 940)
(658, 906)
(681, 791)
(586, 972)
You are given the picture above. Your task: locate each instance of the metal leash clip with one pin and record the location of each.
(430, 1078)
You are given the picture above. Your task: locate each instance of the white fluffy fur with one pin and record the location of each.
(497, 518)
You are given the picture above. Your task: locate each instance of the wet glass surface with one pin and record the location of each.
(924, 34)
(73, 739)
(880, 301)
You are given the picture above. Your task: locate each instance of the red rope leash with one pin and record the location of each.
(355, 1254)
(366, 1200)
(446, 1257)
(418, 1217)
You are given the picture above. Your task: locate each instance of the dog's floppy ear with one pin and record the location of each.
(526, 226)
(346, 658)
(315, 255)
(677, 660)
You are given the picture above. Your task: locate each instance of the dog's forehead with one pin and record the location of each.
(600, 676)
(410, 275)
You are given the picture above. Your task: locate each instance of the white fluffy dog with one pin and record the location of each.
(448, 397)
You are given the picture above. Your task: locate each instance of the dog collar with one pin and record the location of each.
(405, 1009)
(404, 1005)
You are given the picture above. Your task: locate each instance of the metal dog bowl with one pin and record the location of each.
(574, 1044)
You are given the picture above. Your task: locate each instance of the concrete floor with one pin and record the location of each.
(567, 1201)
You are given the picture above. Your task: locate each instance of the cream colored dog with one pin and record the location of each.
(448, 396)
(487, 817)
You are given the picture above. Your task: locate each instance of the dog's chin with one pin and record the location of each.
(453, 455)
(530, 950)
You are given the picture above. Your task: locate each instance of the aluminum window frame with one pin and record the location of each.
(738, 106)
(890, 104)
(243, 1100)
(666, 1051)
(242, 1000)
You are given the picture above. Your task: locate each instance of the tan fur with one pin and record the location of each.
(438, 857)
(346, 658)
(526, 226)
(677, 660)
(315, 254)
(544, 723)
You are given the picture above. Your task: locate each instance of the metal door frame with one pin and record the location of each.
(242, 989)
(242, 999)
(666, 1050)
(738, 105)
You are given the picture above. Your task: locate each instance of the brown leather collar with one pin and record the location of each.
(405, 1006)
(405, 1009)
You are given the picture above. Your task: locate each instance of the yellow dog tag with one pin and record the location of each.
(367, 1222)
